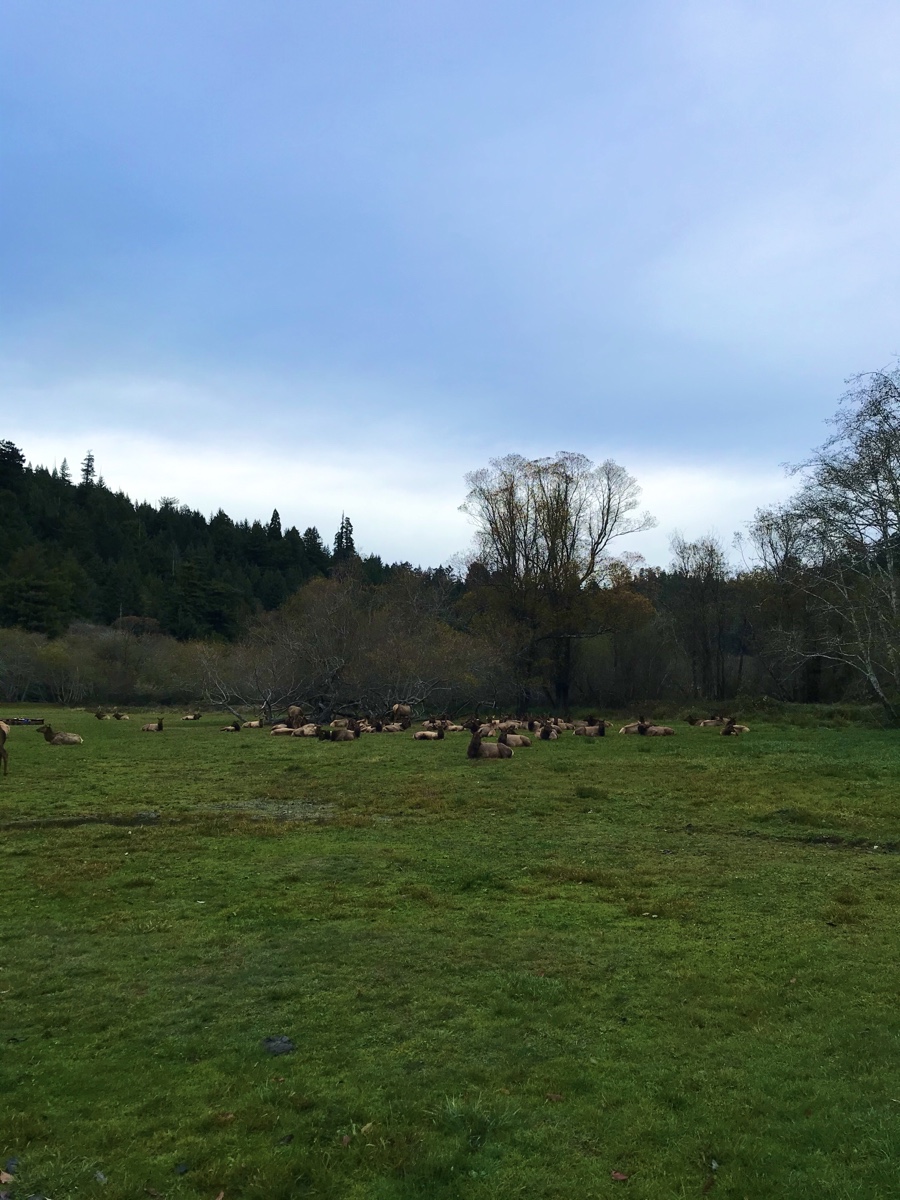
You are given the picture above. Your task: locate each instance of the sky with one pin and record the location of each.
(328, 256)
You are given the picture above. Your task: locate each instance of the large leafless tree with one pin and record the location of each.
(543, 528)
(838, 539)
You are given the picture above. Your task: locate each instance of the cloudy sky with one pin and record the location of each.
(328, 255)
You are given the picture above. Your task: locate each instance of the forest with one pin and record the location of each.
(103, 600)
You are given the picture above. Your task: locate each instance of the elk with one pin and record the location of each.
(124, 717)
(646, 730)
(60, 739)
(234, 727)
(194, 716)
(153, 727)
(295, 716)
(549, 733)
(429, 735)
(634, 727)
(4, 753)
(476, 749)
(344, 735)
(595, 730)
(730, 728)
(513, 739)
(401, 711)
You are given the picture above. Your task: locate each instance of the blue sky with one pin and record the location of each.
(328, 257)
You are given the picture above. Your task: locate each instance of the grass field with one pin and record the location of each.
(671, 959)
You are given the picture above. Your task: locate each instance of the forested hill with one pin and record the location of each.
(76, 550)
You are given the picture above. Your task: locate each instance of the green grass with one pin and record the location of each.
(501, 979)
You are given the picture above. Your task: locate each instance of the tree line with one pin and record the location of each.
(104, 599)
(76, 551)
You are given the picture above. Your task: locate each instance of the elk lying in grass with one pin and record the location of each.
(595, 728)
(153, 727)
(549, 733)
(102, 716)
(194, 716)
(344, 735)
(4, 753)
(634, 727)
(253, 724)
(234, 727)
(281, 731)
(308, 730)
(117, 716)
(477, 749)
(60, 739)
(646, 730)
(429, 735)
(732, 729)
(516, 740)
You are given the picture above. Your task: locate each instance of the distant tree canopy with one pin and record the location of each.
(83, 552)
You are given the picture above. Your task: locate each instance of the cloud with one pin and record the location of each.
(701, 498)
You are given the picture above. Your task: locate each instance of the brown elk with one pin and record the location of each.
(429, 735)
(153, 727)
(344, 735)
(477, 749)
(646, 730)
(634, 727)
(60, 739)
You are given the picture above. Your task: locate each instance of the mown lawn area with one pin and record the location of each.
(674, 960)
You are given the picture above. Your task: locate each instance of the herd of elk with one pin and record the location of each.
(348, 729)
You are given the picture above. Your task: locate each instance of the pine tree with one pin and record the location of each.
(64, 473)
(343, 541)
(87, 470)
(274, 526)
(12, 464)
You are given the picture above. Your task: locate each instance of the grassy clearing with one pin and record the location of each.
(501, 979)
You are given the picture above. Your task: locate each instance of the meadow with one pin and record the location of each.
(654, 968)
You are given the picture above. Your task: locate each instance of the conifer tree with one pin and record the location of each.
(344, 547)
(88, 472)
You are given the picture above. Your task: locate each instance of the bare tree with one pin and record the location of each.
(840, 538)
(698, 608)
(543, 527)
